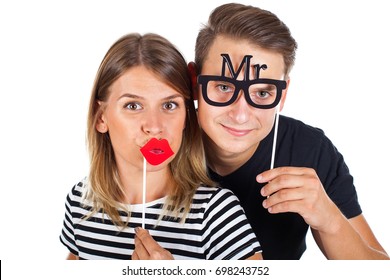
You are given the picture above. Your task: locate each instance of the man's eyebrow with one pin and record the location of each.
(265, 85)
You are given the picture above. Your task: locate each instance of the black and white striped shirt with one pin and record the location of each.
(215, 228)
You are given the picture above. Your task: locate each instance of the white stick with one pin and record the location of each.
(275, 137)
(144, 195)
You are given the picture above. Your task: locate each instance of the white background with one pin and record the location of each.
(50, 52)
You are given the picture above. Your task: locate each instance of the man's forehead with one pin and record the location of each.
(245, 64)
(244, 67)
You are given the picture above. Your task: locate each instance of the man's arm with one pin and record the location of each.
(299, 190)
(352, 239)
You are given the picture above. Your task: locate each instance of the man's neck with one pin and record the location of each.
(224, 162)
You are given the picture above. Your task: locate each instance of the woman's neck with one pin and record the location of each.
(158, 185)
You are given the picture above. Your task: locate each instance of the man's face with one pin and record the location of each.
(239, 127)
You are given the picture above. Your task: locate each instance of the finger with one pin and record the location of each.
(148, 248)
(147, 240)
(284, 195)
(271, 174)
(140, 249)
(293, 206)
(283, 182)
(135, 256)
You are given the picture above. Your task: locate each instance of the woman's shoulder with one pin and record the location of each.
(206, 190)
(78, 190)
(206, 193)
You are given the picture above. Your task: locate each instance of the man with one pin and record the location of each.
(243, 58)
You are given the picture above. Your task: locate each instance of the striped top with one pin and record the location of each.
(215, 228)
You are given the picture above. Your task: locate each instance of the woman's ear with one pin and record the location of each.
(194, 79)
(101, 124)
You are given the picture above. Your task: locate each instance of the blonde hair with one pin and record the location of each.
(188, 168)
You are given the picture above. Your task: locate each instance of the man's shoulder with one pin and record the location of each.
(298, 129)
(304, 145)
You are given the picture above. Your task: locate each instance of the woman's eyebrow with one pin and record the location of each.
(129, 95)
(134, 96)
(173, 96)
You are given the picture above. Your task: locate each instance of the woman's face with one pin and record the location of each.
(140, 107)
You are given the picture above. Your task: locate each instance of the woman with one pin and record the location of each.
(142, 92)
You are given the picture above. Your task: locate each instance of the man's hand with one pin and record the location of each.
(146, 248)
(298, 190)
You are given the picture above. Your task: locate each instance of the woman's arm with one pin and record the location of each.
(256, 256)
(72, 257)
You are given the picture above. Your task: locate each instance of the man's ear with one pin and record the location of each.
(284, 95)
(101, 125)
(194, 79)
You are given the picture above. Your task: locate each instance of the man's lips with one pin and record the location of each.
(237, 132)
(156, 151)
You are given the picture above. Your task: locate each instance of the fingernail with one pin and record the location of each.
(136, 229)
(259, 178)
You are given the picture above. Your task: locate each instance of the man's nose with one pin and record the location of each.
(240, 109)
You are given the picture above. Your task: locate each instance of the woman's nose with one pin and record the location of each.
(153, 124)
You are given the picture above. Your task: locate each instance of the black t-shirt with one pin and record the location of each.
(282, 236)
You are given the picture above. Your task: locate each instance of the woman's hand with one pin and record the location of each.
(146, 248)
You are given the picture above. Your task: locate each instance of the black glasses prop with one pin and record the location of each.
(223, 91)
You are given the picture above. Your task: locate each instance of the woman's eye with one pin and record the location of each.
(133, 106)
(170, 105)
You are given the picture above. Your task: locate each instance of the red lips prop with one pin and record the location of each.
(156, 151)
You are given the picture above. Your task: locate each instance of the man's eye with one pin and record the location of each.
(263, 94)
(224, 88)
